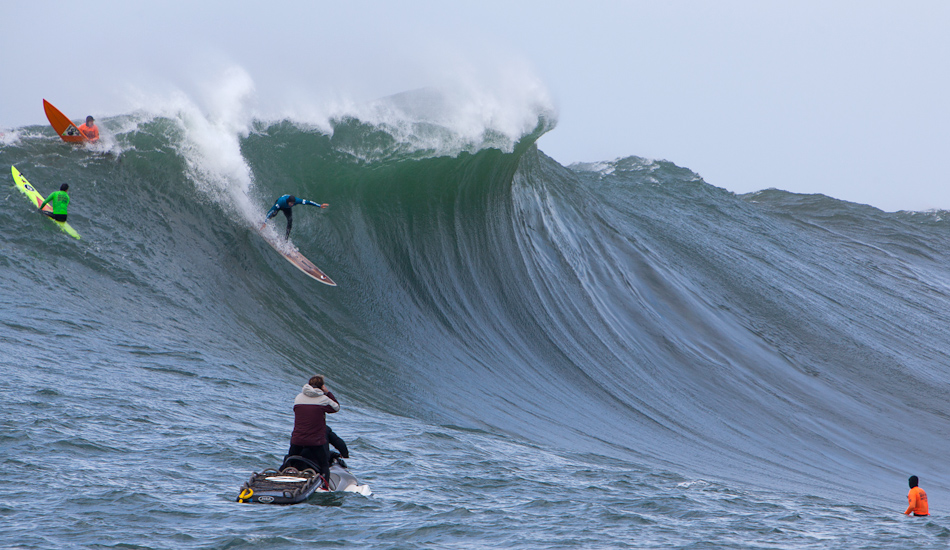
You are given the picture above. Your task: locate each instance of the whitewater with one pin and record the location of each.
(613, 354)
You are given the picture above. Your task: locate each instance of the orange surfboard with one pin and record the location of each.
(63, 126)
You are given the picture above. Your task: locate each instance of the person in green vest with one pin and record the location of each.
(60, 201)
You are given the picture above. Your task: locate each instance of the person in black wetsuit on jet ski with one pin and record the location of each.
(337, 443)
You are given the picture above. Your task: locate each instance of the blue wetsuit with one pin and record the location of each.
(283, 205)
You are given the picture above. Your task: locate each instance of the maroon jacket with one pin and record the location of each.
(310, 421)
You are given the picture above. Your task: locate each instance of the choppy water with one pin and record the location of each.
(612, 355)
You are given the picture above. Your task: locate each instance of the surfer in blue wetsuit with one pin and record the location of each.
(285, 204)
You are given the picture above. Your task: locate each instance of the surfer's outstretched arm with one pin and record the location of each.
(311, 203)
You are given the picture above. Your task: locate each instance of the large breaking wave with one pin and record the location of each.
(624, 307)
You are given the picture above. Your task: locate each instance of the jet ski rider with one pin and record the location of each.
(338, 444)
(309, 438)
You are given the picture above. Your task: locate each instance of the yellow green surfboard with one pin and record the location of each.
(36, 200)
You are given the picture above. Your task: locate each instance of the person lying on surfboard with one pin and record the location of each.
(89, 129)
(60, 201)
(284, 204)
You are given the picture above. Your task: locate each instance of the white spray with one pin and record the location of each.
(210, 138)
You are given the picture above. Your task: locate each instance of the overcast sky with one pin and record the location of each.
(849, 99)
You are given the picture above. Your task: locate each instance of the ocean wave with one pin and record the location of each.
(625, 307)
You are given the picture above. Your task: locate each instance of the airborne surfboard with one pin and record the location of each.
(36, 200)
(63, 126)
(294, 256)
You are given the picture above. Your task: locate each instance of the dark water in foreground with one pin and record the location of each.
(528, 355)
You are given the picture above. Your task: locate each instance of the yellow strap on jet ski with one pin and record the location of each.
(246, 494)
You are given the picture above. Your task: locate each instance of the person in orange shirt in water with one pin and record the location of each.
(89, 129)
(916, 499)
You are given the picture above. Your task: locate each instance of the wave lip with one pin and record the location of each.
(431, 122)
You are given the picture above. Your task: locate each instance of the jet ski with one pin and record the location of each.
(296, 480)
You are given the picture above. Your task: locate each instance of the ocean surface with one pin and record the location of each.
(528, 355)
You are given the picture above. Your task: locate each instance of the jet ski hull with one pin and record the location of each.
(296, 480)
